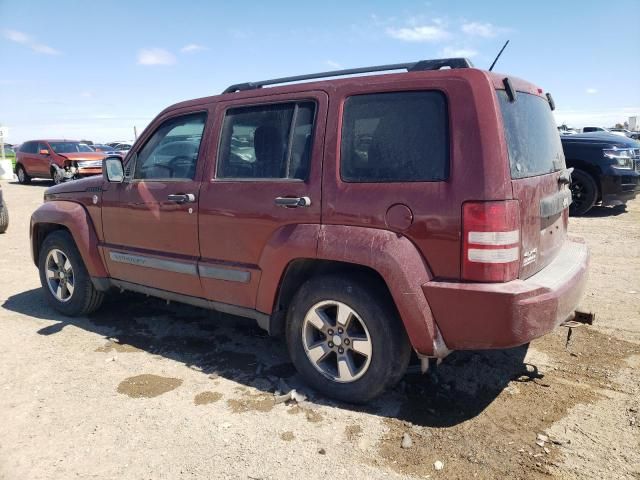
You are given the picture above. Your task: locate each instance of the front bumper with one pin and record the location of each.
(89, 171)
(619, 186)
(474, 316)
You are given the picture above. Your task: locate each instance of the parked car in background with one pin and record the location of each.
(328, 213)
(606, 169)
(98, 147)
(621, 131)
(58, 160)
(4, 213)
(593, 129)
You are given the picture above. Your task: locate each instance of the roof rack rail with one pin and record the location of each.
(421, 65)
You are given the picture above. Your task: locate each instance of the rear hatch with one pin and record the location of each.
(539, 178)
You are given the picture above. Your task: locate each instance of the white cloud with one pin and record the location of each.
(192, 48)
(458, 52)
(46, 49)
(155, 56)
(333, 64)
(424, 33)
(24, 39)
(16, 36)
(591, 91)
(478, 29)
(86, 94)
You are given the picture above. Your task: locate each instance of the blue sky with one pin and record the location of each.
(95, 69)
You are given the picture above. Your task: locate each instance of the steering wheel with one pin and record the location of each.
(182, 164)
(158, 165)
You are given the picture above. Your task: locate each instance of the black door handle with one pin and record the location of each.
(181, 197)
(293, 202)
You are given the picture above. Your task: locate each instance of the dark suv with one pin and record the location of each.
(359, 217)
(606, 169)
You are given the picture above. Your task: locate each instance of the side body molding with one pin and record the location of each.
(76, 219)
(401, 266)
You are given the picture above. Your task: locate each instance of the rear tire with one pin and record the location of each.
(4, 218)
(64, 278)
(23, 177)
(355, 363)
(584, 192)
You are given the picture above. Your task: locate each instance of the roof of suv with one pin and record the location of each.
(327, 80)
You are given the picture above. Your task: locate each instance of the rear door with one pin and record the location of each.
(28, 157)
(538, 175)
(269, 156)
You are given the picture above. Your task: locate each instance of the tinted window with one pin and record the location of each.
(29, 147)
(395, 137)
(532, 137)
(267, 141)
(172, 150)
(68, 147)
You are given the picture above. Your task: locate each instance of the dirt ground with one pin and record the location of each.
(148, 390)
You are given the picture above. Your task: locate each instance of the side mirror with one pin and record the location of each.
(44, 151)
(112, 169)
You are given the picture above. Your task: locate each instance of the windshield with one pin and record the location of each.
(531, 134)
(69, 147)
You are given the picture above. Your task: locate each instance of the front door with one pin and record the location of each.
(266, 181)
(151, 220)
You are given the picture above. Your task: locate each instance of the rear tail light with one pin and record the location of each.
(491, 242)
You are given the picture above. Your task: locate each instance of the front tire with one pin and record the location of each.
(584, 193)
(345, 338)
(4, 218)
(23, 177)
(64, 278)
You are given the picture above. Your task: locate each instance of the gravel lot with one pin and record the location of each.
(148, 390)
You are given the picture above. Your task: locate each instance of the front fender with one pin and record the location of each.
(77, 221)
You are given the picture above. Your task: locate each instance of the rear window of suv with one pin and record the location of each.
(532, 137)
(395, 137)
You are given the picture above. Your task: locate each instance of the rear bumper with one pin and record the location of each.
(474, 316)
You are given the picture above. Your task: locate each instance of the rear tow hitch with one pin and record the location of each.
(577, 319)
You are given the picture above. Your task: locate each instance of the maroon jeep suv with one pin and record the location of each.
(360, 218)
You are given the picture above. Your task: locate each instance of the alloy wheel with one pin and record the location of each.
(60, 278)
(336, 341)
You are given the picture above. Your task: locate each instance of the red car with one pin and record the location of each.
(58, 160)
(361, 218)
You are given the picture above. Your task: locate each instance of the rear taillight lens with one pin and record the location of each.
(491, 242)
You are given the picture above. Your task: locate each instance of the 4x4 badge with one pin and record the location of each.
(529, 257)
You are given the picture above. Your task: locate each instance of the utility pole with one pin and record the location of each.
(135, 133)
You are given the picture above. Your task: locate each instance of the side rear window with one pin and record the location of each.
(29, 147)
(267, 141)
(532, 137)
(395, 137)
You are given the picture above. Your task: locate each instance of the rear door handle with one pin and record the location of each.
(181, 197)
(293, 202)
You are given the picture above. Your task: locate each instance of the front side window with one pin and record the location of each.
(395, 137)
(172, 151)
(267, 141)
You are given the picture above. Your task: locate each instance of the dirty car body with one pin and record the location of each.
(358, 217)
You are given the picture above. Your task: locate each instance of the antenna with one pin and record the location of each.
(499, 53)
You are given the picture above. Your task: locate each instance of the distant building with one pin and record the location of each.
(634, 123)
